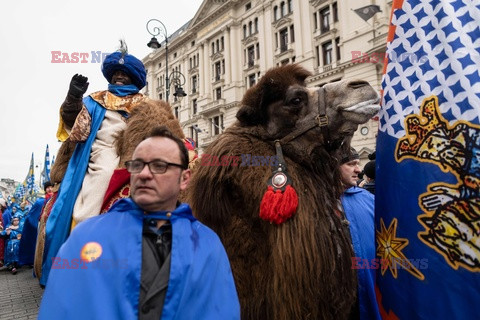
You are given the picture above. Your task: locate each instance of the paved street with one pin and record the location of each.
(20, 295)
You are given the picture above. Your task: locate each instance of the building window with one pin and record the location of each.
(335, 12)
(258, 51)
(244, 31)
(289, 5)
(251, 56)
(250, 28)
(193, 43)
(213, 47)
(218, 93)
(337, 48)
(248, 6)
(325, 19)
(174, 55)
(283, 40)
(275, 13)
(222, 44)
(194, 133)
(315, 22)
(282, 8)
(292, 34)
(194, 106)
(255, 23)
(194, 84)
(251, 80)
(217, 125)
(317, 54)
(218, 70)
(327, 53)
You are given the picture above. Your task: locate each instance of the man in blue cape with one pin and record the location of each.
(148, 257)
(92, 123)
(29, 232)
(359, 207)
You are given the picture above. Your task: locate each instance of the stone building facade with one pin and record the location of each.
(229, 44)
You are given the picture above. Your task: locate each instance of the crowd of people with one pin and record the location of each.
(18, 230)
(158, 280)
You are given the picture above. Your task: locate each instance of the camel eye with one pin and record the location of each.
(296, 101)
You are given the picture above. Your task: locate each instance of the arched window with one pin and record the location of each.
(244, 31)
(250, 28)
(282, 8)
(255, 22)
(275, 13)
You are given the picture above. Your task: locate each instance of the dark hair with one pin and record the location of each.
(47, 184)
(350, 155)
(163, 131)
(369, 169)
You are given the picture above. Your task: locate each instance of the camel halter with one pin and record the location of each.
(319, 120)
(280, 201)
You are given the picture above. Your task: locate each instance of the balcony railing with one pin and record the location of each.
(212, 106)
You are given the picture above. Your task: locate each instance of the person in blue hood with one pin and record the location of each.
(148, 257)
(359, 207)
(91, 123)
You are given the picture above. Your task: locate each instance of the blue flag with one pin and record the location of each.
(30, 189)
(45, 175)
(428, 163)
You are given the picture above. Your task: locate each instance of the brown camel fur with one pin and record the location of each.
(300, 269)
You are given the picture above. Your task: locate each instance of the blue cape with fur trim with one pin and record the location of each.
(200, 286)
(127, 63)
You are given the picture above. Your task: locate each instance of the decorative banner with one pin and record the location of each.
(45, 175)
(30, 189)
(428, 163)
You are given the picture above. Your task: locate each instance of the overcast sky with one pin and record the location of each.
(33, 88)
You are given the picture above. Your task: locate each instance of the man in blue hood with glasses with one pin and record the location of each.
(91, 122)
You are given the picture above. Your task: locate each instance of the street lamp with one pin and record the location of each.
(154, 44)
(178, 80)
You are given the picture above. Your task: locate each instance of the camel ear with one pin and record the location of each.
(247, 115)
(252, 112)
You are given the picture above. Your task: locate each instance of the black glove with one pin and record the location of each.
(78, 86)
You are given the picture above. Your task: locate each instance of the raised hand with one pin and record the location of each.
(78, 86)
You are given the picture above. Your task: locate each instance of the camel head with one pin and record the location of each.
(286, 110)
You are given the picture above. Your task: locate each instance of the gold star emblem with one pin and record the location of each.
(390, 251)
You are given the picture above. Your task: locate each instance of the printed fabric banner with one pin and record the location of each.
(428, 163)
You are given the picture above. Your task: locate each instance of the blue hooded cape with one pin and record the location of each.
(200, 286)
(29, 233)
(359, 206)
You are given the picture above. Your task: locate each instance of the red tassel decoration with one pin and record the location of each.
(278, 207)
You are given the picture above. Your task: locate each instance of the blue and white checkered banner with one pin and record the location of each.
(45, 175)
(428, 163)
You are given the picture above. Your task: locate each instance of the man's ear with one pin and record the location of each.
(185, 179)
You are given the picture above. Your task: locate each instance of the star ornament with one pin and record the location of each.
(390, 251)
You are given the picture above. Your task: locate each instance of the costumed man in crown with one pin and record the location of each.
(92, 123)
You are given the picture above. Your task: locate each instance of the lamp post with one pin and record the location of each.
(154, 44)
(178, 80)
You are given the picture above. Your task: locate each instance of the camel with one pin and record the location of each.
(288, 244)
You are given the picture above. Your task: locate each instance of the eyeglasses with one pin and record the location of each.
(155, 166)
